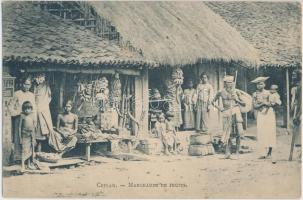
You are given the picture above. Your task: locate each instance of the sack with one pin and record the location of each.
(247, 99)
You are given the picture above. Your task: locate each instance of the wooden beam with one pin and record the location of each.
(287, 99)
(131, 72)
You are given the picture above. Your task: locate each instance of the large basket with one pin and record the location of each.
(48, 157)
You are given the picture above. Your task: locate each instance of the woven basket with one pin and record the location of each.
(200, 150)
(200, 139)
(45, 157)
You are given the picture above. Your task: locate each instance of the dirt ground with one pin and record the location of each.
(169, 177)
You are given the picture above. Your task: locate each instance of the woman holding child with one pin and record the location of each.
(264, 102)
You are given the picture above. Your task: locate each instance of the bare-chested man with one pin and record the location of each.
(231, 110)
(63, 139)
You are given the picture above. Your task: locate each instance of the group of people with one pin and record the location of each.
(197, 102)
(32, 123)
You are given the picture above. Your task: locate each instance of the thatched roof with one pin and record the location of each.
(176, 33)
(274, 28)
(30, 34)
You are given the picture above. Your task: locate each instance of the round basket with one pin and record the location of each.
(48, 157)
(200, 139)
(200, 150)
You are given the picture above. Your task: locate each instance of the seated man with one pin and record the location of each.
(63, 139)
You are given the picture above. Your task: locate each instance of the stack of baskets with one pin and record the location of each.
(200, 145)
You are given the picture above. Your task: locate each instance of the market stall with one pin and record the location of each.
(106, 84)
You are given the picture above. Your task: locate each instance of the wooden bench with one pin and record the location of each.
(88, 144)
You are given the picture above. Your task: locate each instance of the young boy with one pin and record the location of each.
(27, 128)
(160, 125)
(170, 140)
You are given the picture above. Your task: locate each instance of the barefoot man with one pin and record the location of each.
(231, 113)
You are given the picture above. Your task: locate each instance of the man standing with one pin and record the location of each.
(202, 100)
(232, 118)
(296, 98)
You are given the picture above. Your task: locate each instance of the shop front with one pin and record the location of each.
(105, 86)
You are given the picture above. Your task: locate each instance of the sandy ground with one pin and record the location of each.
(171, 177)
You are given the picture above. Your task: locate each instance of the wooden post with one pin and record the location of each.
(287, 99)
(245, 89)
(145, 102)
(61, 91)
(142, 101)
(87, 149)
(218, 88)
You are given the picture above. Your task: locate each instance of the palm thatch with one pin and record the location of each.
(33, 35)
(274, 28)
(176, 33)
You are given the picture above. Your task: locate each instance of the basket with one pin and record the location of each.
(201, 150)
(48, 157)
(200, 139)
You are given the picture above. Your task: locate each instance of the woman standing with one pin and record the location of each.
(43, 97)
(266, 120)
(19, 98)
(188, 115)
(202, 100)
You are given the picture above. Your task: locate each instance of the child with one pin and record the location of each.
(169, 137)
(160, 125)
(274, 97)
(27, 128)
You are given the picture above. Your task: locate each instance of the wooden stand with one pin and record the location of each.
(88, 146)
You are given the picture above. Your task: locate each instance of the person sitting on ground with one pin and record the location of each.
(27, 129)
(63, 139)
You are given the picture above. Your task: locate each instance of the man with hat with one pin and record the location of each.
(266, 119)
(231, 112)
